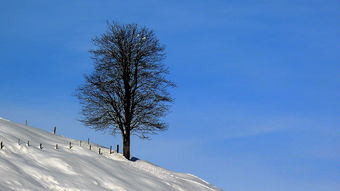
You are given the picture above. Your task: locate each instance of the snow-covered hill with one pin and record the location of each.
(29, 168)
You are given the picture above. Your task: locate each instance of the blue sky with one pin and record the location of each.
(258, 99)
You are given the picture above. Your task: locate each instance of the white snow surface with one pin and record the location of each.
(29, 168)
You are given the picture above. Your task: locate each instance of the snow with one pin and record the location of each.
(29, 168)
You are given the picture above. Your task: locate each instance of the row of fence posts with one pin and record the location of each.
(56, 146)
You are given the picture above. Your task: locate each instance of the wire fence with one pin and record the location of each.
(11, 141)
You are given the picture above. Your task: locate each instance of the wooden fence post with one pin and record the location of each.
(90, 147)
(40, 146)
(70, 145)
(28, 143)
(56, 146)
(117, 148)
(110, 149)
(1, 145)
(99, 151)
(54, 130)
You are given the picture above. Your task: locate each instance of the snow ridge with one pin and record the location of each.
(26, 167)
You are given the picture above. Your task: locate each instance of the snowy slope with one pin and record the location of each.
(25, 168)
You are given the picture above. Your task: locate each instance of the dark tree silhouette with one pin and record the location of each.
(127, 93)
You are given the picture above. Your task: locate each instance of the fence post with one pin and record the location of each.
(88, 141)
(56, 146)
(79, 143)
(28, 143)
(1, 145)
(70, 145)
(99, 151)
(18, 141)
(110, 149)
(117, 148)
(90, 147)
(40, 146)
(54, 130)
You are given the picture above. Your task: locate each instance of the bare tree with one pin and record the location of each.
(127, 93)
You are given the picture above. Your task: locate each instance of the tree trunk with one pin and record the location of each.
(126, 145)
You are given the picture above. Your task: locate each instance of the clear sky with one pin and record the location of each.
(258, 99)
